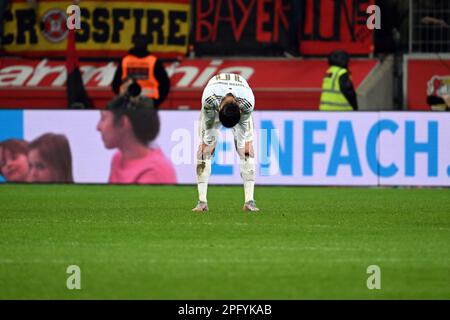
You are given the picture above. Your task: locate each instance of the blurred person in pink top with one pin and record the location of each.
(131, 128)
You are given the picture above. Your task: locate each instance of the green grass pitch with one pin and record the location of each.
(143, 242)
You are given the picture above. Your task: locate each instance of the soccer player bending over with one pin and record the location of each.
(229, 101)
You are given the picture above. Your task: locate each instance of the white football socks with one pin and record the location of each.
(247, 167)
(203, 173)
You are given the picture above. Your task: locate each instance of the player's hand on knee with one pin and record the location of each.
(205, 151)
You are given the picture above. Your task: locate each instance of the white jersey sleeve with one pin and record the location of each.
(210, 104)
(246, 107)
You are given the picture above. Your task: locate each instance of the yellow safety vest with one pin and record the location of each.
(332, 98)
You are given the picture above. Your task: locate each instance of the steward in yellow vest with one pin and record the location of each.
(338, 93)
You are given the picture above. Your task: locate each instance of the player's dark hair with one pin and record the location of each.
(229, 115)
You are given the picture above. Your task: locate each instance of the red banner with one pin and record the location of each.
(277, 83)
(426, 76)
(336, 25)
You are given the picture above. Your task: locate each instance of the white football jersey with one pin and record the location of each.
(218, 87)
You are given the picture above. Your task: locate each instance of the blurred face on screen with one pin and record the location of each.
(40, 171)
(14, 166)
(110, 131)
